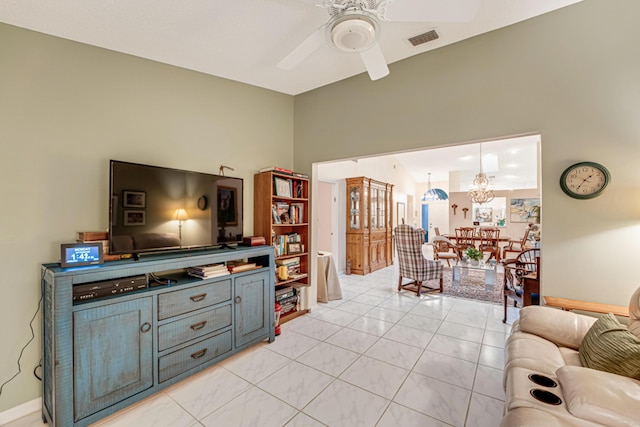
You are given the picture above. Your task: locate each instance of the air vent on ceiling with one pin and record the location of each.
(424, 37)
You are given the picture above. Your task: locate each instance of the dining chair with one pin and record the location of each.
(490, 242)
(465, 239)
(444, 248)
(412, 264)
(515, 269)
(516, 245)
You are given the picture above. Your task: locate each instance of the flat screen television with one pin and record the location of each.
(155, 208)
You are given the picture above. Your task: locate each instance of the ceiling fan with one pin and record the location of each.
(354, 27)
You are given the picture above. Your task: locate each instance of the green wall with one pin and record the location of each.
(570, 75)
(65, 110)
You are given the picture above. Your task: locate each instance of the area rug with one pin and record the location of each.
(472, 286)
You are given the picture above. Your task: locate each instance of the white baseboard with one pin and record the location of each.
(20, 411)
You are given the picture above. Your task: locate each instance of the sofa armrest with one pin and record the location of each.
(600, 397)
(563, 328)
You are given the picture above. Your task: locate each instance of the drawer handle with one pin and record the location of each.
(198, 298)
(199, 354)
(198, 326)
(146, 327)
(238, 299)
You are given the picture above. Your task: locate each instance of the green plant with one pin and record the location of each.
(473, 253)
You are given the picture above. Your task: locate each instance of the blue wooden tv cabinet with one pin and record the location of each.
(102, 355)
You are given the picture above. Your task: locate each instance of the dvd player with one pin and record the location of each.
(107, 288)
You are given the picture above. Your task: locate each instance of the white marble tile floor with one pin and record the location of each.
(377, 357)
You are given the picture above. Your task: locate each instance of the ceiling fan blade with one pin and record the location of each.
(432, 10)
(374, 62)
(303, 50)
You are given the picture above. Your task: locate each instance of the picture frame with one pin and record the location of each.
(227, 206)
(525, 210)
(294, 248)
(135, 217)
(282, 187)
(483, 214)
(400, 213)
(134, 199)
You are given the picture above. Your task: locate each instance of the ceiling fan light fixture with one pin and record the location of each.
(354, 32)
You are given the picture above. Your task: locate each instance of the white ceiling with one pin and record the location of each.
(511, 164)
(243, 40)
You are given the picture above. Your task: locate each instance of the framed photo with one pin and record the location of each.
(282, 187)
(135, 217)
(134, 199)
(525, 210)
(483, 214)
(294, 248)
(227, 206)
(401, 212)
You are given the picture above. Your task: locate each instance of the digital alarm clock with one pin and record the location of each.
(81, 254)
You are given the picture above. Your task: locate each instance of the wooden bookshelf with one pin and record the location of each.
(277, 194)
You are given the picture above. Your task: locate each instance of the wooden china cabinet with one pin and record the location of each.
(369, 219)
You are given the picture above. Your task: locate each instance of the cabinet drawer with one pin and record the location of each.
(174, 333)
(378, 237)
(178, 302)
(354, 238)
(189, 357)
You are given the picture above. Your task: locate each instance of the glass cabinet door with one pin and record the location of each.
(365, 205)
(374, 207)
(354, 208)
(383, 209)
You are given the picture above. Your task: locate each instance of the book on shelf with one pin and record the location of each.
(277, 169)
(274, 214)
(282, 242)
(242, 267)
(208, 271)
(285, 292)
(300, 175)
(296, 213)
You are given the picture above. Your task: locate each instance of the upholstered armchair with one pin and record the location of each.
(412, 264)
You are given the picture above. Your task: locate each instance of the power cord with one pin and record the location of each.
(161, 280)
(33, 335)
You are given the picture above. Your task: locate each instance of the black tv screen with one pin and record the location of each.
(155, 208)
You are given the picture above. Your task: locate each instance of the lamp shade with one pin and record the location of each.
(180, 214)
(433, 194)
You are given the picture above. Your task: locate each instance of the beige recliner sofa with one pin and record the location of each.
(544, 343)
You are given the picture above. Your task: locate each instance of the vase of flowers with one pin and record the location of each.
(474, 255)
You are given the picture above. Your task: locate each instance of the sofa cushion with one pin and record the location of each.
(532, 352)
(563, 328)
(571, 357)
(600, 397)
(609, 346)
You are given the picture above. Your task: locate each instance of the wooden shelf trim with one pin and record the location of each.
(594, 307)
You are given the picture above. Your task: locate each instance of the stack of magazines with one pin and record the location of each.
(208, 271)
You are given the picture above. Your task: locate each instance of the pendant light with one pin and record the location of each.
(481, 191)
(433, 194)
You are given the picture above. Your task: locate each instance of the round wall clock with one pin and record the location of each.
(584, 180)
(203, 203)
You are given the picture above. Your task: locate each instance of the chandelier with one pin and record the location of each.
(433, 194)
(481, 190)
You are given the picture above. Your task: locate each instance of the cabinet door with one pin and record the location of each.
(252, 307)
(113, 352)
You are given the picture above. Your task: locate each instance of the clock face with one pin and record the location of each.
(584, 180)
